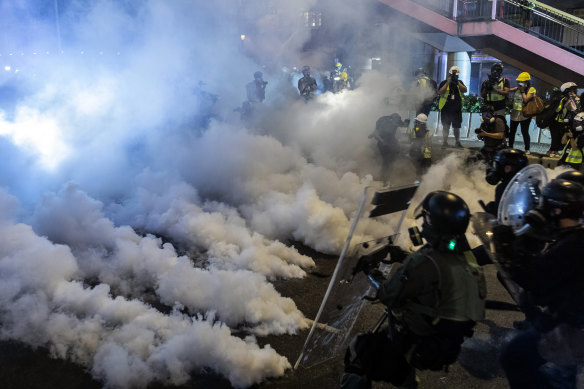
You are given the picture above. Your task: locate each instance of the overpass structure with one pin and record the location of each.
(529, 35)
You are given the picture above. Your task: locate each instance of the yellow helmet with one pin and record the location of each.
(344, 76)
(523, 77)
(338, 65)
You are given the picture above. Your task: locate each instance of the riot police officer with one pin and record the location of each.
(552, 279)
(434, 299)
(506, 163)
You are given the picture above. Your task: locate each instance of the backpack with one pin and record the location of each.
(547, 115)
(507, 129)
(533, 107)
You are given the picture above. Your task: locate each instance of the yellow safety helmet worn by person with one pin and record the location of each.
(524, 76)
(338, 65)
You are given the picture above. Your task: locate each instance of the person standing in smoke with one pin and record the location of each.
(256, 94)
(387, 143)
(421, 145)
(434, 301)
(425, 92)
(307, 84)
(256, 89)
(451, 91)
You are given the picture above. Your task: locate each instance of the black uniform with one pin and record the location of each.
(552, 280)
(307, 86)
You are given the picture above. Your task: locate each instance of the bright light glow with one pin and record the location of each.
(41, 135)
(242, 37)
(7, 68)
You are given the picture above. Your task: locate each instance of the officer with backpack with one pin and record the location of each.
(524, 93)
(434, 301)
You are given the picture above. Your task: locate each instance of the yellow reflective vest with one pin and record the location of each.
(444, 97)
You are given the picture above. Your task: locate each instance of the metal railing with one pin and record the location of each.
(546, 22)
(539, 19)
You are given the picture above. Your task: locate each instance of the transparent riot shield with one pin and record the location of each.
(346, 293)
(522, 194)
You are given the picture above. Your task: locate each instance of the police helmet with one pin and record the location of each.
(422, 118)
(567, 196)
(444, 213)
(572, 175)
(568, 86)
(497, 68)
(258, 75)
(510, 157)
(306, 70)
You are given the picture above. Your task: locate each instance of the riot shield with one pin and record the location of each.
(344, 298)
(521, 195)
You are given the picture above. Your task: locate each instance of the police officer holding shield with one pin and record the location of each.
(434, 300)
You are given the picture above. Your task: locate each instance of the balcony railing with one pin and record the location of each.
(536, 18)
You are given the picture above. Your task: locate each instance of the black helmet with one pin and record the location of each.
(509, 157)
(568, 196)
(497, 68)
(258, 75)
(391, 121)
(446, 218)
(306, 70)
(445, 212)
(572, 175)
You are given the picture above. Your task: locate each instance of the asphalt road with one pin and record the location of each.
(477, 367)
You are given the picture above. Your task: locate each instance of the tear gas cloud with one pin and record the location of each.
(134, 239)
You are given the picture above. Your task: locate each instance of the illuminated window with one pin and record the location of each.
(313, 19)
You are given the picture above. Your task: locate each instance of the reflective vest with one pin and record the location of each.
(518, 99)
(574, 155)
(425, 149)
(496, 96)
(561, 111)
(422, 82)
(444, 97)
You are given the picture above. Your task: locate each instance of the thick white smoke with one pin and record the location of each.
(134, 239)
